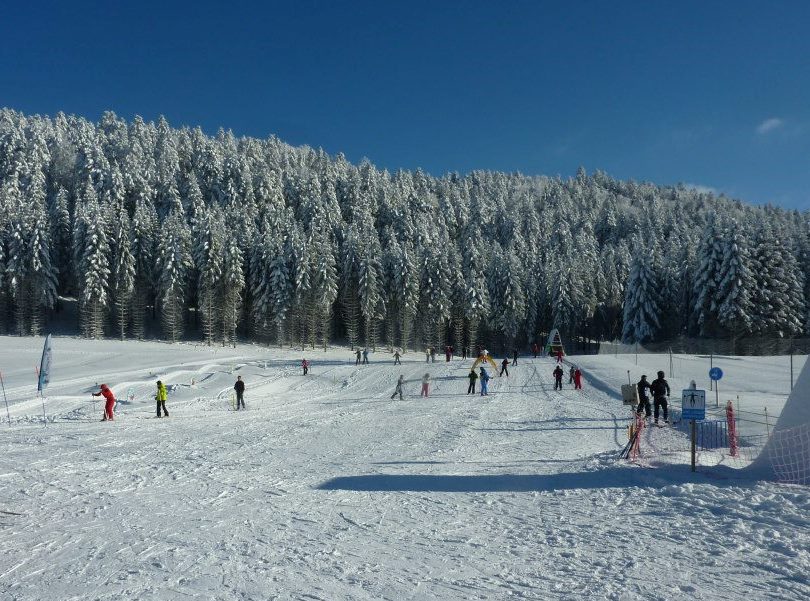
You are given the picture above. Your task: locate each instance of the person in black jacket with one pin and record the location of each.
(660, 392)
(504, 366)
(558, 374)
(239, 387)
(643, 399)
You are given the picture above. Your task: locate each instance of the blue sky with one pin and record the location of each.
(713, 94)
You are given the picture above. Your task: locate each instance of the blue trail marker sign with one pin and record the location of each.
(715, 373)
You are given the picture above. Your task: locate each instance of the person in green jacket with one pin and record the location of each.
(161, 397)
(473, 377)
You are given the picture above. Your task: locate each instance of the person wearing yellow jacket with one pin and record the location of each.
(160, 397)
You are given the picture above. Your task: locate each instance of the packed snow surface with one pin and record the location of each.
(326, 488)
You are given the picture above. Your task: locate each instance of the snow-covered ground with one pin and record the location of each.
(325, 488)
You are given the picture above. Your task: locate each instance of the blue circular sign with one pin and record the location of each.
(715, 373)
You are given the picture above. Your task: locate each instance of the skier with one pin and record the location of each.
(464, 352)
(660, 392)
(161, 397)
(558, 375)
(357, 355)
(484, 382)
(425, 385)
(109, 402)
(396, 358)
(473, 377)
(571, 374)
(239, 387)
(427, 355)
(432, 355)
(447, 352)
(559, 355)
(504, 366)
(535, 349)
(643, 400)
(398, 389)
(365, 356)
(514, 356)
(305, 365)
(577, 379)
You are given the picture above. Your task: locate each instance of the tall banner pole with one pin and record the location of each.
(41, 396)
(3, 384)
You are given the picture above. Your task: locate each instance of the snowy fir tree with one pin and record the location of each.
(140, 222)
(641, 302)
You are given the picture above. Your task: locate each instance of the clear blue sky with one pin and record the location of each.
(714, 94)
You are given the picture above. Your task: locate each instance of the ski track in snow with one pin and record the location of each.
(325, 488)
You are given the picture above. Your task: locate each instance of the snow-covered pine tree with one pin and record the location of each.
(233, 283)
(173, 261)
(707, 277)
(324, 281)
(208, 249)
(641, 301)
(92, 246)
(123, 267)
(144, 239)
(737, 283)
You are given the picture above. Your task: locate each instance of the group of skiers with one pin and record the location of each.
(660, 392)
(574, 377)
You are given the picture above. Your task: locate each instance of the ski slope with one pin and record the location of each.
(325, 488)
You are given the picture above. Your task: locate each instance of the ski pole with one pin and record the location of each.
(8, 414)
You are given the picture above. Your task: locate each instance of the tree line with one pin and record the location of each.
(168, 232)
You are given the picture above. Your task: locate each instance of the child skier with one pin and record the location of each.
(558, 375)
(571, 374)
(577, 379)
(484, 382)
(161, 398)
(109, 402)
(643, 400)
(473, 377)
(398, 389)
(425, 385)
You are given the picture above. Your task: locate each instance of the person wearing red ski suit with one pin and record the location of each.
(577, 379)
(109, 401)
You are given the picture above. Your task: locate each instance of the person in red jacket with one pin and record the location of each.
(109, 403)
(577, 379)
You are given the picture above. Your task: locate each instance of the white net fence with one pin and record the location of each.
(789, 453)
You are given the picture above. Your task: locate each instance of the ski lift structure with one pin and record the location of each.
(485, 357)
(554, 344)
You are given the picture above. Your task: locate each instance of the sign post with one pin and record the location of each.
(716, 374)
(693, 407)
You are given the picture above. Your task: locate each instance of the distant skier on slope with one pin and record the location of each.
(473, 377)
(447, 353)
(504, 368)
(396, 358)
(357, 357)
(398, 389)
(365, 356)
(484, 382)
(514, 356)
(432, 354)
(109, 402)
(239, 387)
(577, 379)
(558, 376)
(535, 349)
(305, 366)
(571, 374)
(559, 355)
(643, 399)
(425, 385)
(660, 392)
(161, 397)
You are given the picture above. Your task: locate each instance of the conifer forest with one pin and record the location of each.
(159, 232)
